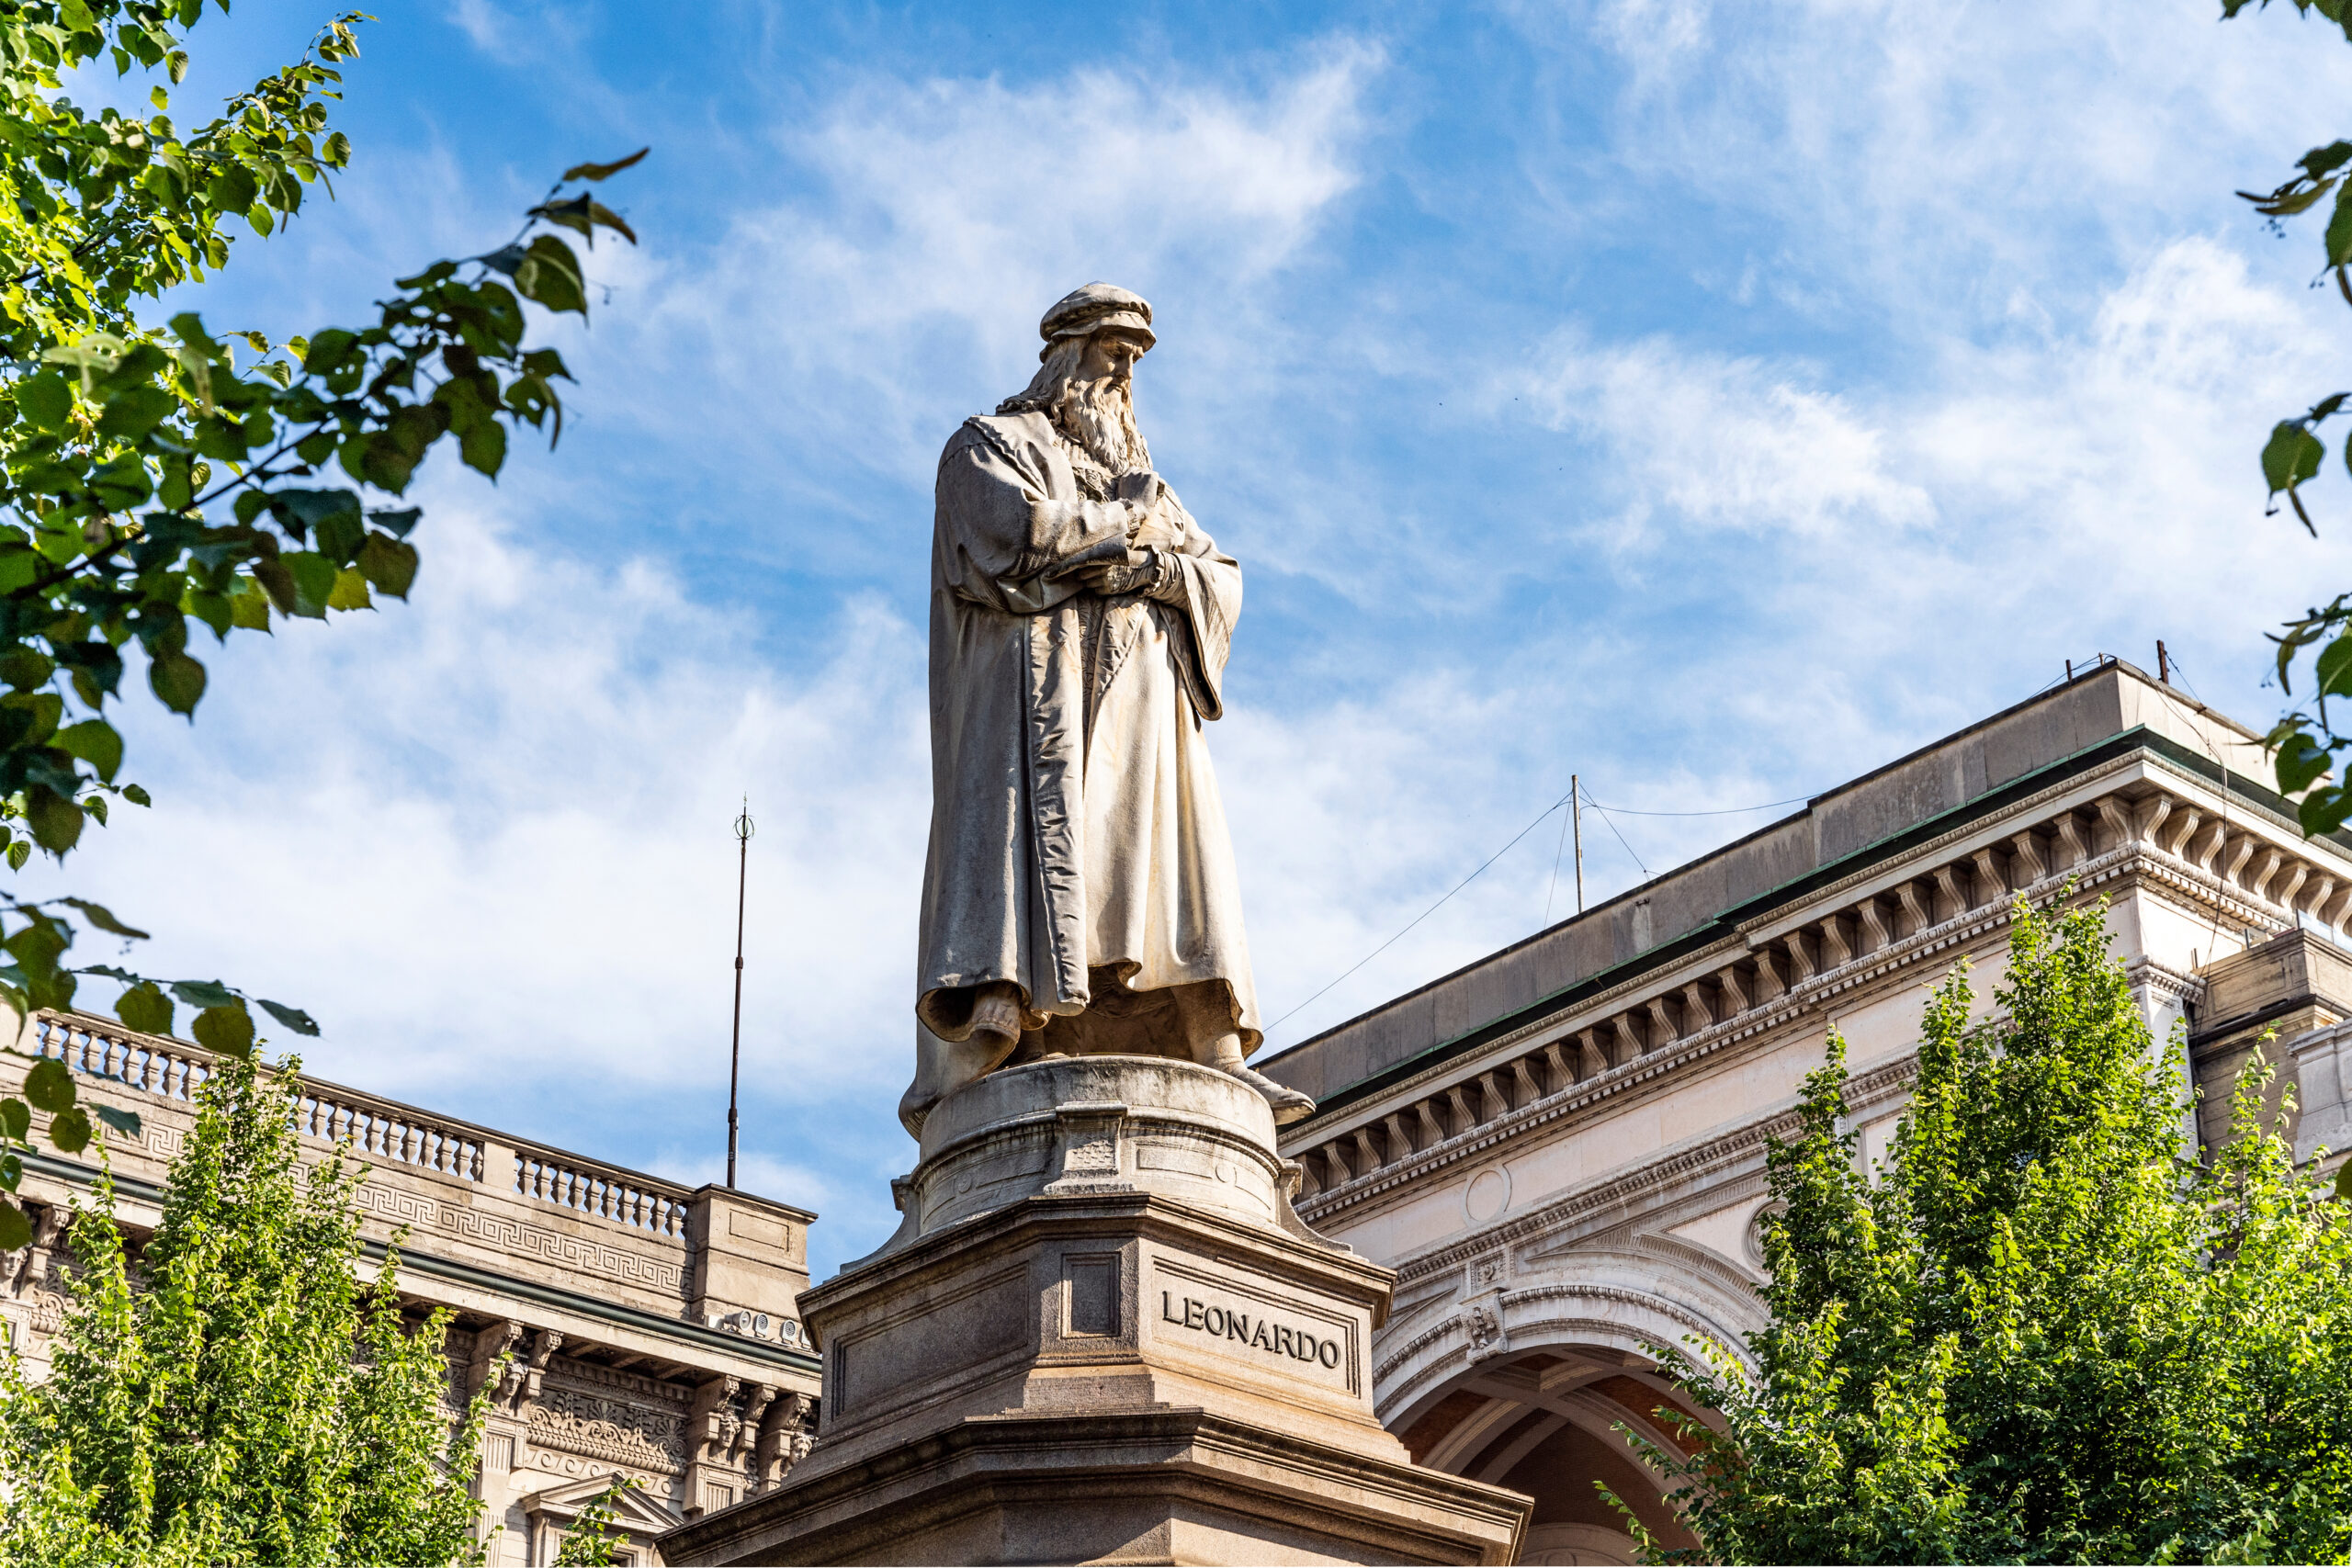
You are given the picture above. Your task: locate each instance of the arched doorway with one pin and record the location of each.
(1543, 1422)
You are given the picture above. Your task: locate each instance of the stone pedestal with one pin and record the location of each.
(1101, 1335)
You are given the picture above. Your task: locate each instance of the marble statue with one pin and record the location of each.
(1080, 896)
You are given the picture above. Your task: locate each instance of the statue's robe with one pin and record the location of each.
(1078, 844)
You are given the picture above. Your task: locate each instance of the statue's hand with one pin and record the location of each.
(1140, 489)
(1141, 573)
(1158, 531)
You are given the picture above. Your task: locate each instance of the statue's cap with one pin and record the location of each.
(1098, 307)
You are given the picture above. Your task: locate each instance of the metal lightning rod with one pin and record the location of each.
(1576, 820)
(743, 830)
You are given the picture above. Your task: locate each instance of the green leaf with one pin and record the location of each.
(249, 608)
(2344, 1181)
(2323, 810)
(604, 171)
(204, 993)
(2300, 761)
(278, 583)
(127, 1123)
(226, 1030)
(2292, 456)
(305, 509)
(16, 1119)
(313, 581)
(137, 796)
(213, 609)
(145, 1009)
(483, 447)
(49, 1085)
(121, 483)
(295, 1019)
(326, 351)
(2334, 666)
(550, 276)
(339, 535)
(399, 522)
(2339, 238)
(45, 399)
(94, 741)
(178, 679)
(16, 1229)
(135, 411)
(377, 458)
(104, 919)
(56, 821)
(350, 591)
(26, 669)
(389, 564)
(70, 1130)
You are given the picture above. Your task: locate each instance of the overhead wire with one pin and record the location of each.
(1424, 915)
(1726, 811)
(1607, 817)
(1498, 854)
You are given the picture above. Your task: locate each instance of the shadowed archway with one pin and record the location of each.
(1543, 1422)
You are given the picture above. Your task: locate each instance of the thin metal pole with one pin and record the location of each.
(1576, 825)
(2163, 663)
(735, 1050)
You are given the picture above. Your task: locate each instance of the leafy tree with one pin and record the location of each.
(237, 1396)
(2305, 744)
(2040, 1334)
(150, 487)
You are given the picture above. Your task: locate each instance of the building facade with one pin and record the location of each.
(1561, 1147)
(625, 1325)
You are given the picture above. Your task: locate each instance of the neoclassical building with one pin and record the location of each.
(1560, 1149)
(625, 1325)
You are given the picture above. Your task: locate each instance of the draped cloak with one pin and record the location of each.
(1078, 844)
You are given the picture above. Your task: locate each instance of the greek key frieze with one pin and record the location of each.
(422, 1212)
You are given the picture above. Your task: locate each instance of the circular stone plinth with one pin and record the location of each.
(1098, 1124)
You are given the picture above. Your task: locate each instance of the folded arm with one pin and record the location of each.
(1007, 545)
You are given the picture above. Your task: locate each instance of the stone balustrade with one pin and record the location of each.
(379, 1131)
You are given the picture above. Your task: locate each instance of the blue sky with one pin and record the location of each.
(1714, 400)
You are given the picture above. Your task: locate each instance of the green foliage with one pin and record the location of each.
(2039, 1335)
(251, 1400)
(2305, 747)
(592, 1540)
(150, 487)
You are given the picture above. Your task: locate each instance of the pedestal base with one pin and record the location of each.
(1102, 1336)
(1124, 1487)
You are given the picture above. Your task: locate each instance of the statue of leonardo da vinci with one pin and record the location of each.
(1079, 894)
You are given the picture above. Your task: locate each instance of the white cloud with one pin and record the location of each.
(895, 284)
(1723, 442)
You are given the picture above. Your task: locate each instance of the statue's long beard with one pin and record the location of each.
(1100, 417)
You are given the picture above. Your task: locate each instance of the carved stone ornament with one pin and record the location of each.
(1482, 1328)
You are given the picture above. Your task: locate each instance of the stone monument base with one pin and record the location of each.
(1101, 1335)
(1144, 1485)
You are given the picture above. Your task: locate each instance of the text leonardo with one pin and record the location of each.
(1262, 1333)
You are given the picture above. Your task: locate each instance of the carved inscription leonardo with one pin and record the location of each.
(1262, 1333)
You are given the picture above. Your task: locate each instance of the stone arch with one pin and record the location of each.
(1523, 1387)
(1543, 1422)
